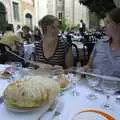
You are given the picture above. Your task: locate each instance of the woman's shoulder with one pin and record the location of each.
(102, 42)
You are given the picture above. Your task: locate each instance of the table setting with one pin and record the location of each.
(77, 95)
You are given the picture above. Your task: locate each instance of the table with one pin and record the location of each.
(72, 104)
(82, 51)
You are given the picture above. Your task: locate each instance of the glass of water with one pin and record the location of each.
(92, 83)
(74, 79)
(109, 88)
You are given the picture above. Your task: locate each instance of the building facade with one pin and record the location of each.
(74, 12)
(60, 9)
(51, 7)
(27, 13)
(17, 12)
(5, 13)
(40, 9)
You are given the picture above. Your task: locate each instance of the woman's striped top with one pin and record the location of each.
(58, 58)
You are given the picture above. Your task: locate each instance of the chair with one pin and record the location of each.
(75, 52)
(90, 46)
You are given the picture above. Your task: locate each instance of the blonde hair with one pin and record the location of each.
(45, 21)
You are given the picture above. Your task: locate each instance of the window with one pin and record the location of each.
(28, 1)
(60, 15)
(16, 11)
(28, 19)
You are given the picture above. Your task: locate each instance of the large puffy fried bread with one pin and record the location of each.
(32, 91)
(63, 82)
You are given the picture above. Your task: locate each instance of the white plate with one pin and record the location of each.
(42, 109)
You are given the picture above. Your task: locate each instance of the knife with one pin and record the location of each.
(1, 99)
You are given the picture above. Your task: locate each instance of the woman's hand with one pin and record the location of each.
(46, 66)
(86, 68)
(56, 70)
(43, 66)
(83, 69)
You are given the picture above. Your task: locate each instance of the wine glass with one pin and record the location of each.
(15, 64)
(92, 82)
(56, 70)
(74, 81)
(109, 88)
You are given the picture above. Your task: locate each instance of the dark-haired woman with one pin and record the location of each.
(106, 54)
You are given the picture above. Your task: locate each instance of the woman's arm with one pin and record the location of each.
(89, 65)
(69, 58)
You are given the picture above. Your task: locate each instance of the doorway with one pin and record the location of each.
(2, 17)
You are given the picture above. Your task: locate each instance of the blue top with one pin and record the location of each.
(106, 59)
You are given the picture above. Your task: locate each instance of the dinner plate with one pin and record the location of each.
(5, 76)
(7, 73)
(42, 109)
(93, 114)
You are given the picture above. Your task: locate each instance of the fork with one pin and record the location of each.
(52, 111)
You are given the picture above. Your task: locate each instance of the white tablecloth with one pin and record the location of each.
(72, 105)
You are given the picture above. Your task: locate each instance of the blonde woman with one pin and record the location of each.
(51, 50)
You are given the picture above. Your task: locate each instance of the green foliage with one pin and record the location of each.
(78, 26)
(63, 24)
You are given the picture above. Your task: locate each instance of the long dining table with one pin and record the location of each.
(70, 104)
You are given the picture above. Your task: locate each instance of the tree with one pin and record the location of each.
(100, 7)
(63, 24)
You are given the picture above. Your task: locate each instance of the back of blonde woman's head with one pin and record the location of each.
(46, 21)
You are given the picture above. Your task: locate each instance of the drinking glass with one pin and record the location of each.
(109, 88)
(92, 82)
(74, 82)
(15, 64)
